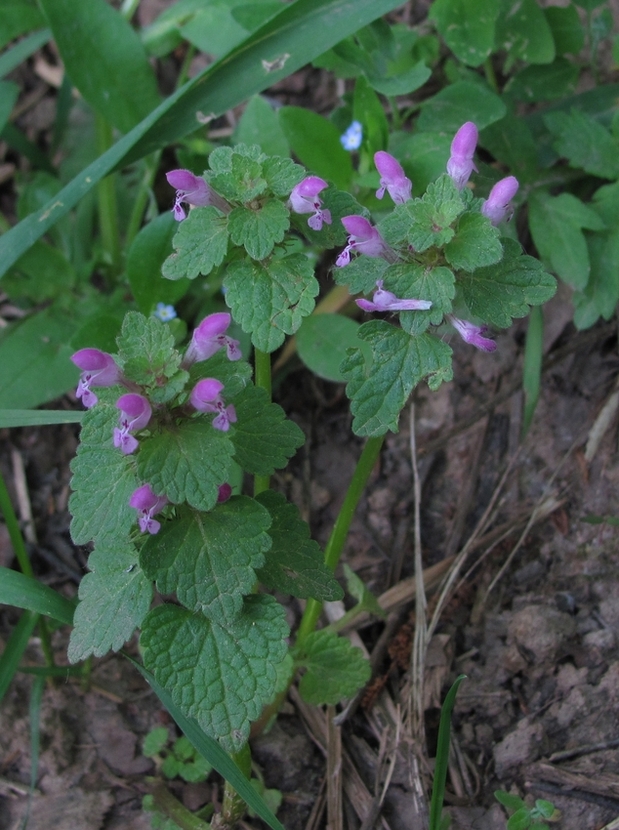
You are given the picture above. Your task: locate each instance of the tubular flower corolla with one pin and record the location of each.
(386, 301)
(472, 334)
(362, 237)
(206, 397)
(98, 369)
(135, 412)
(190, 190)
(460, 164)
(209, 337)
(147, 504)
(497, 205)
(304, 199)
(392, 178)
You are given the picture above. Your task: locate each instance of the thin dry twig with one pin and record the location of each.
(334, 772)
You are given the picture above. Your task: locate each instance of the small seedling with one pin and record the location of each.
(527, 818)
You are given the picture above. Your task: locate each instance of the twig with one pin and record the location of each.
(420, 642)
(334, 772)
(586, 749)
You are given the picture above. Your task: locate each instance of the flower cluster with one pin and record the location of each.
(136, 412)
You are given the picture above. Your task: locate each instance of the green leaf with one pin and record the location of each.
(8, 95)
(171, 767)
(499, 292)
(463, 101)
(281, 175)
(294, 563)
(105, 59)
(146, 350)
(544, 83)
(567, 30)
(215, 90)
(340, 204)
(442, 755)
(114, 599)
(23, 49)
(25, 592)
(183, 749)
(427, 220)
(368, 110)
(155, 741)
(601, 294)
(42, 274)
(259, 124)
(335, 668)
(522, 29)
(236, 174)
(520, 820)
(187, 461)
(316, 142)
(417, 282)
(264, 439)
(145, 260)
(361, 274)
(38, 418)
(509, 801)
(322, 342)
(15, 646)
(467, 27)
(269, 300)
(200, 243)
(423, 155)
(259, 230)
(18, 17)
(555, 223)
(584, 143)
(532, 367)
(511, 141)
(210, 559)
(476, 243)
(103, 481)
(365, 598)
(400, 362)
(545, 808)
(402, 83)
(220, 675)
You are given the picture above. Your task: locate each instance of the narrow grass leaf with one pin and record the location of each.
(15, 647)
(37, 417)
(22, 50)
(25, 592)
(532, 370)
(442, 755)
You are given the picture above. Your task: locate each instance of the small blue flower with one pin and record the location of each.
(164, 312)
(351, 139)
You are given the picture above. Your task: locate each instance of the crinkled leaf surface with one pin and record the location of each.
(500, 292)
(243, 181)
(294, 563)
(585, 143)
(200, 244)
(418, 282)
(264, 439)
(335, 668)
(361, 274)
(258, 230)
(269, 300)
(339, 204)
(377, 394)
(476, 243)
(146, 350)
(103, 481)
(114, 599)
(600, 297)
(187, 462)
(220, 675)
(210, 559)
(234, 374)
(281, 174)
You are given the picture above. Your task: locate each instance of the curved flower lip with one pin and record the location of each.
(208, 337)
(99, 369)
(206, 397)
(497, 206)
(472, 334)
(363, 237)
(224, 492)
(460, 164)
(304, 199)
(387, 301)
(135, 413)
(148, 504)
(190, 189)
(393, 179)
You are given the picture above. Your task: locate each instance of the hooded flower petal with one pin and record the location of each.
(147, 504)
(99, 369)
(304, 199)
(206, 397)
(460, 164)
(224, 493)
(392, 178)
(472, 334)
(135, 413)
(497, 206)
(363, 238)
(190, 189)
(386, 301)
(209, 337)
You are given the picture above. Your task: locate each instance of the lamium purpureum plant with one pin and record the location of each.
(167, 431)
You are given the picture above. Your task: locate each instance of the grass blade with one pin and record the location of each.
(25, 592)
(22, 50)
(15, 647)
(302, 30)
(38, 417)
(211, 750)
(442, 755)
(532, 370)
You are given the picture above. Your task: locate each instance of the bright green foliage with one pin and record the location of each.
(546, 82)
(263, 438)
(322, 342)
(527, 818)
(201, 242)
(434, 284)
(294, 563)
(210, 559)
(467, 26)
(316, 142)
(499, 292)
(259, 230)
(362, 273)
(180, 760)
(334, 668)
(584, 143)
(378, 392)
(114, 599)
(462, 101)
(221, 675)
(270, 299)
(523, 29)
(148, 357)
(366, 600)
(476, 243)
(187, 461)
(340, 204)
(155, 741)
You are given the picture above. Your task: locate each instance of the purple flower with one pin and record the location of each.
(147, 504)
(460, 164)
(497, 204)
(392, 178)
(206, 397)
(472, 334)
(304, 199)
(351, 139)
(362, 237)
(386, 301)
(209, 337)
(135, 412)
(190, 189)
(99, 369)
(224, 493)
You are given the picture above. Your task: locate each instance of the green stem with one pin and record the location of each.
(336, 542)
(262, 367)
(172, 808)
(139, 205)
(106, 197)
(491, 75)
(233, 807)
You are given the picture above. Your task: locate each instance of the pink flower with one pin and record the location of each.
(209, 337)
(304, 199)
(135, 412)
(392, 178)
(206, 397)
(460, 164)
(472, 334)
(497, 205)
(190, 189)
(386, 301)
(224, 493)
(363, 238)
(147, 504)
(99, 369)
